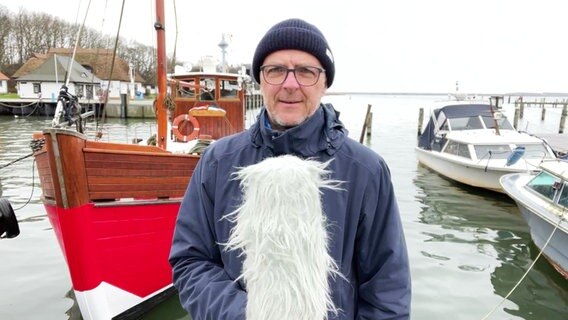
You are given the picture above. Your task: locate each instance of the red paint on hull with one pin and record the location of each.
(126, 246)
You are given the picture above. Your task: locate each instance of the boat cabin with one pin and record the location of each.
(552, 183)
(473, 135)
(208, 105)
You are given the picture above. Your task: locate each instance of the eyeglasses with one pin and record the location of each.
(276, 75)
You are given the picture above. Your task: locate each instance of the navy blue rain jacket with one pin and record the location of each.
(366, 237)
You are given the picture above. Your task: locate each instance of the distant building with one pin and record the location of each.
(124, 79)
(46, 79)
(3, 83)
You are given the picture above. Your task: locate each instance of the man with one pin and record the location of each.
(294, 66)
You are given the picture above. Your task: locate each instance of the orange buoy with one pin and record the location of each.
(185, 117)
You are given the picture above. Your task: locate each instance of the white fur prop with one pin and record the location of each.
(281, 229)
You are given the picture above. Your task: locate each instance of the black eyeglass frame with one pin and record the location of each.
(293, 70)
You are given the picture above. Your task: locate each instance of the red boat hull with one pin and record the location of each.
(125, 246)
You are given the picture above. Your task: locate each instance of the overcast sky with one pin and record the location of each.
(488, 46)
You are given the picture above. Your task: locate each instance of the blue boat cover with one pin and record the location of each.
(450, 111)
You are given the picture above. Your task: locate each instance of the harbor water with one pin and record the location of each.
(468, 247)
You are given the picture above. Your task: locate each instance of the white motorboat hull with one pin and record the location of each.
(481, 175)
(543, 219)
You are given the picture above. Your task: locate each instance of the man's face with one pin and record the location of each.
(289, 104)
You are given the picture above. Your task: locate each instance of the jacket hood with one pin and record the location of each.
(323, 131)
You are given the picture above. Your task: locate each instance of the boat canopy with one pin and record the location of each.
(439, 120)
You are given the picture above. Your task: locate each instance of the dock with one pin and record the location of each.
(557, 141)
(114, 108)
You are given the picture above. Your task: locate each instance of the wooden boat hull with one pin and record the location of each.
(113, 209)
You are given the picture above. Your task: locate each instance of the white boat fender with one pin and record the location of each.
(8, 223)
(517, 154)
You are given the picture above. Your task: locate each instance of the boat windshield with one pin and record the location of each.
(563, 201)
(545, 184)
(495, 151)
(465, 123)
(536, 151)
(503, 123)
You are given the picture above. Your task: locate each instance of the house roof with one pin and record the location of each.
(100, 60)
(56, 68)
(3, 76)
(97, 60)
(31, 64)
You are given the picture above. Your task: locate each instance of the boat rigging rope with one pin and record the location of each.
(76, 44)
(176, 38)
(99, 132)
(562, 218)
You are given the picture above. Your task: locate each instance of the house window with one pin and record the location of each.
(1, 84)
(89, 92)
(37, 87)
(79, 91)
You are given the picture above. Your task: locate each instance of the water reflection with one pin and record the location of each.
(490, 224)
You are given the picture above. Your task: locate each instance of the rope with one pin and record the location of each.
(169, 103)
(33, 188)
(99, 133)
(17, 160)
(176, 38)
(528, 270)
(35, 144)
(20, 107)
(77, 39)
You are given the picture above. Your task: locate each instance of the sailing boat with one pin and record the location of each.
(113, 206)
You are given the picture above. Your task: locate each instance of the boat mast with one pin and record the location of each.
(161, 111)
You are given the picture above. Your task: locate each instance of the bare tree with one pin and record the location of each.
(5, 26)
(26, 33)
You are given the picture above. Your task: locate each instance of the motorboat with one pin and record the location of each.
(475, 144)
(542, 198)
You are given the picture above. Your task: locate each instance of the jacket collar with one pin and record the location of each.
(323, 131)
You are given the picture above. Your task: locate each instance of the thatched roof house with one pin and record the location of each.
(98, 61)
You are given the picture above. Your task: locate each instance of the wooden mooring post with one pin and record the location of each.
(366, 124)
(563, 117)
(516, 117)
(420, 120)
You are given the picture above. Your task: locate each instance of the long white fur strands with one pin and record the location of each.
(281, 229)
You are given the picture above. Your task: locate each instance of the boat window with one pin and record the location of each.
(498, 151)
(441, 122)
(458, 149)
(544, 184)
(229, 89)
(207, 89)
(186, 89)
(466, 123)
(503, 123)
(536, 151)
(563, 201)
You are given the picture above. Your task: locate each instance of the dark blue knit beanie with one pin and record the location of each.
(294, 34)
